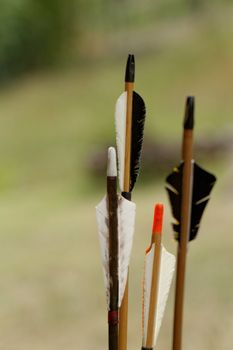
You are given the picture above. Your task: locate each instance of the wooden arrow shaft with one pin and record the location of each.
(123, 324)
(154, 290)
(128, 134)
(187, 182)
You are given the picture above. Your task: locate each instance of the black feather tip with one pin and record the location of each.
(138, 121)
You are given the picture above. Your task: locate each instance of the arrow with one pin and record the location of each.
(113, 250)
(188, 187)
(159, 271)
(129, 119)
(115, 220)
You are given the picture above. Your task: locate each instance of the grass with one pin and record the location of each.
(51, 284)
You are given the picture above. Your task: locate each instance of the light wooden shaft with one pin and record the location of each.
(187, 182)
(156, 239)
(128, 134)
(123, 317)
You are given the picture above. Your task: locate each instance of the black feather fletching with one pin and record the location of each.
(203, 183)
(138, 121)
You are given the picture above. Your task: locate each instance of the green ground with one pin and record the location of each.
(52, 294)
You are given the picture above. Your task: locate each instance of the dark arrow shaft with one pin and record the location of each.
(113, 263)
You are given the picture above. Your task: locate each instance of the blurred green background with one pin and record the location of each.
(61, 71)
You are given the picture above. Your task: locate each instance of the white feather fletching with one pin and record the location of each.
(120, 122)
(126, 219)
(167, 269)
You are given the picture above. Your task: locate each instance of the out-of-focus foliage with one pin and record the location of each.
(32, 33)
(116, 13)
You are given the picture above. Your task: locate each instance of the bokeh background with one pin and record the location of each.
(61, 71)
